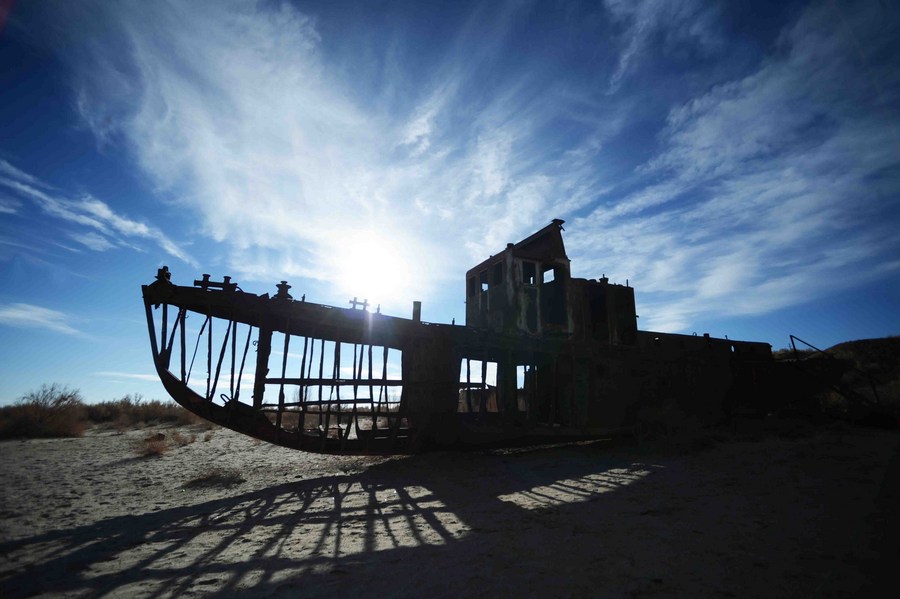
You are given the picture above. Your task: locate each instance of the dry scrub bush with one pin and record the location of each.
(133, 411)
(52, 411)
(182, 440)
(153, 446)
(56, 411)
(158, 443)
(216, 476)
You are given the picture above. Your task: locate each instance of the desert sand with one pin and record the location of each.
(812, 513)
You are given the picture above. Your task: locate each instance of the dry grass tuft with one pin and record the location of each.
(156, 444)
(153, 446)
(216, 476)
(181, 440)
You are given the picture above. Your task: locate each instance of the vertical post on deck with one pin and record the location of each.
(469, 385)
(321, 369)
(263, 349)
(164, 331)
(182, 337)
(482, 409)
(234, 334)
(301, 389)
(209, 357)
(284, 359)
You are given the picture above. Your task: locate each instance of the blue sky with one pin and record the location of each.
(737, 163)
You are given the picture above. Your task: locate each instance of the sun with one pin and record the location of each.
(373, 267)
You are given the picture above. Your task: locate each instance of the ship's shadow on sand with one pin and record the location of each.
(562, 521)
(372, 525)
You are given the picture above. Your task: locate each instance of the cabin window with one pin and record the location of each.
(553, 296)
(529, 273)
(498, 273)
(549, 275)
(525, 387)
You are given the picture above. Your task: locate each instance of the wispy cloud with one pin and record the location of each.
(9, 206)
(770, 185)
(16, 174)
(88, 212)
(139, 376)
(286, 166)
(678, 22)
(93, 241)
(759, 191)
(30, 316)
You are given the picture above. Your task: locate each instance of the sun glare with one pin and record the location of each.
(373, 267)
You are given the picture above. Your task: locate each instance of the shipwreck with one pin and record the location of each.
(542, 357)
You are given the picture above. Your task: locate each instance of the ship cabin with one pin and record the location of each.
(528, 289)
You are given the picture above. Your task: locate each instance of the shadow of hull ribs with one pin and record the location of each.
(543, 357)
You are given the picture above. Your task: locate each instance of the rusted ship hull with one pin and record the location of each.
(325, 379)
(363, 410)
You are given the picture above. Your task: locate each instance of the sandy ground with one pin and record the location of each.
(808, 515)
